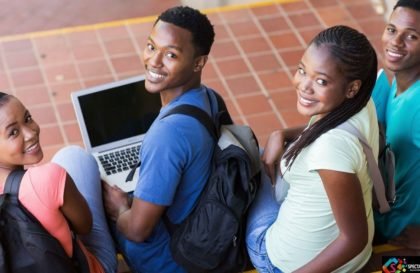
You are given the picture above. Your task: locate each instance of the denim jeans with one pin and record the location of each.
(262, 214)
(84, 171)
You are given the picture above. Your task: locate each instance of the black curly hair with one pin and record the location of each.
(195, 22)
(357, 60)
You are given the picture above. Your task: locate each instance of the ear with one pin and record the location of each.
(353, 88)
(200, 62)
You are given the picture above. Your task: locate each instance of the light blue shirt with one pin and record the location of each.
(401, 115)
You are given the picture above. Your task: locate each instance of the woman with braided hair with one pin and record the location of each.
(325, 222)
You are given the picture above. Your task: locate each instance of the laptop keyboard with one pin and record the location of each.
(121, 160)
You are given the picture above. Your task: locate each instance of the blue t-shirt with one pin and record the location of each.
(176, 154)
(401, 116)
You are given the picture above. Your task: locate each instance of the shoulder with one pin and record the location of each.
(48, 171)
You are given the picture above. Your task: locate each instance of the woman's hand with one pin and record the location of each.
(273, 150)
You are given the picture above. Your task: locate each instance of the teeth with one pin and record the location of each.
(305, 100)
(33, 147)
(393, 54)
(155, 75)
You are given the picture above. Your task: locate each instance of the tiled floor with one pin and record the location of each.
(251, 64)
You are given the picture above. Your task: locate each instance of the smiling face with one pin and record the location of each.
(19, 135)
(171, 64)
(320, 85)
(401, 41)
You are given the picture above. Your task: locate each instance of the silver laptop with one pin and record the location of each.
(113, 119)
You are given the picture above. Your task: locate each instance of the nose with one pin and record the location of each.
(305, 85)
(154, 59)
(29, 132)
(397, 40)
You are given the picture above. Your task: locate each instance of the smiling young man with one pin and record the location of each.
(177, 150)
(398, 108)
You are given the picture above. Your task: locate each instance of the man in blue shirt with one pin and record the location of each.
(177, 150)
(398, 108)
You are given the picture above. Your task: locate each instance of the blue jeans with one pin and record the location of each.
(262, 215)
(83, 169)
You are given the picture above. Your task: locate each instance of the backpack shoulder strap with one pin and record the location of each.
(378, 183)
(198, 114)
(13, 181)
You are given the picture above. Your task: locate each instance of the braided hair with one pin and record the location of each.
(357, 60)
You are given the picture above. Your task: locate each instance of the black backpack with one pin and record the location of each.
(25, 245)
(212, 237)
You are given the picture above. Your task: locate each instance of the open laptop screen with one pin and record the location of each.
(118, 111)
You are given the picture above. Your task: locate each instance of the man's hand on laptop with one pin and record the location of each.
(116, 201)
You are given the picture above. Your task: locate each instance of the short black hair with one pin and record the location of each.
(411, 4)
(195, 22)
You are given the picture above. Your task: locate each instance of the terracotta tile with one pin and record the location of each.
(18, 45)
(361, 11)
(61, 91)
(323, 3)
(98, 81)
(80, 38)
(22, 59)
(55, 56)
(293, 118)
(243, 85)
(265, 11)
(43, 115)
(214, 18)
(27, 77)
(236, 15)
(373, 27)
(119, 46)
(141, 29)
(247, 28)
(66, 112)
(94, 68)
(49, 151)
(302, 20)
(264, 62)
(263, 124)
(232, 67)
(285, 40)
(293, 7)
(72, 132)
(127, 63)
(333, 15)
(112, 33)
(292, 57)
(59, 73)
(233, 111)
(33, 95)
(4, 81)
(50, 42)
(274, 80)
(209, 72)
(224, 49)
(51, 135)
(85, 52)
(285, 100)
(220, 32)
(309, 34)
(217, 85)
(251, 45)
(253, 104)
(274, 24)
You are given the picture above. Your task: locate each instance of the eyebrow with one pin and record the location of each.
(168, 46)
(317, 72)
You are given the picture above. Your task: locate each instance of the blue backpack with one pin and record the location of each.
(25, 245)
